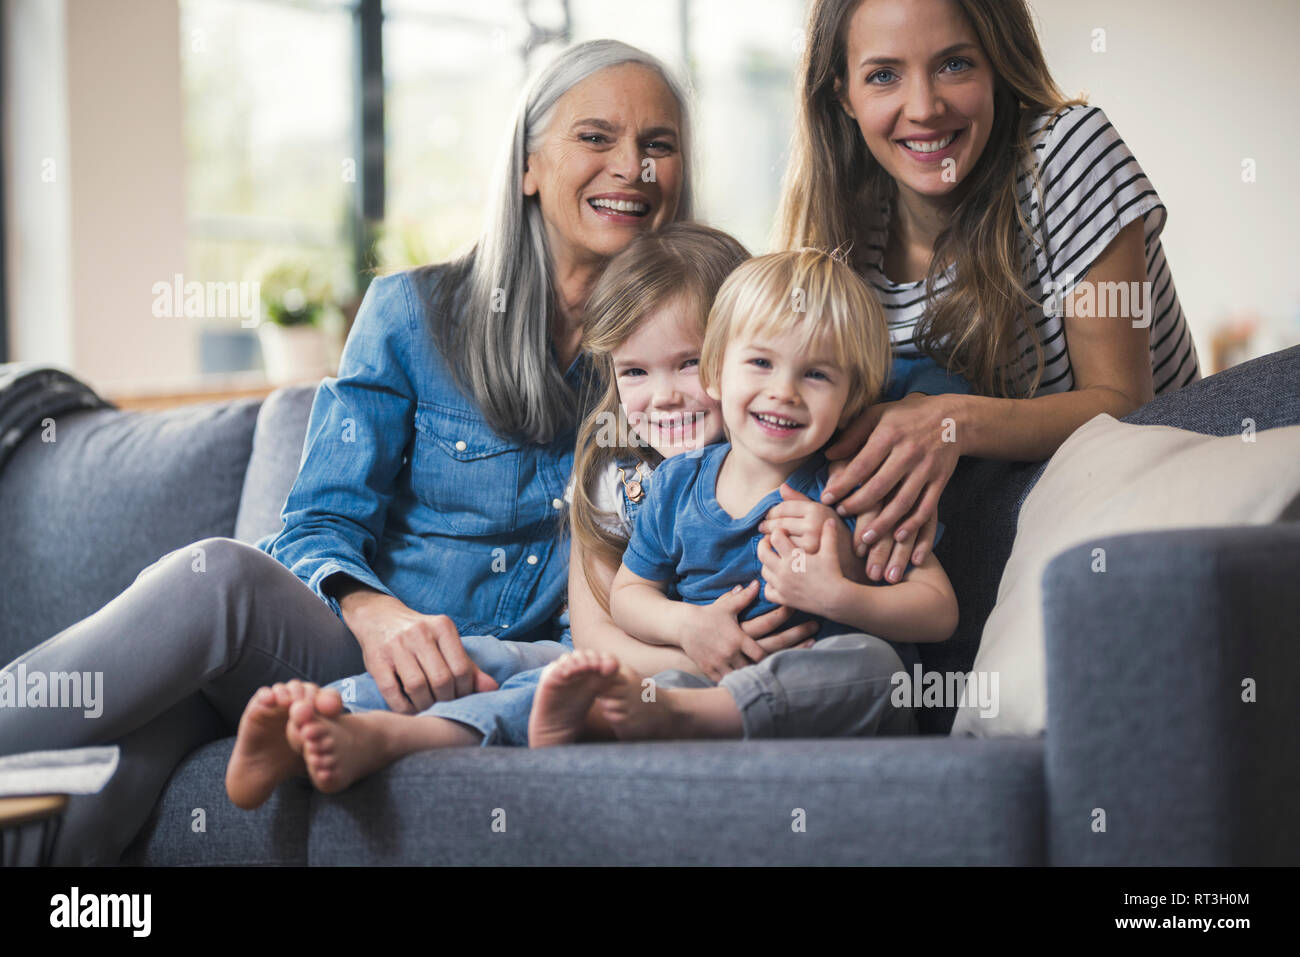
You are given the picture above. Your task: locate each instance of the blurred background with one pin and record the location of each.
(149, 145)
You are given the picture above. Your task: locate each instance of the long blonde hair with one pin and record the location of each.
(685, 261)
(834, 192)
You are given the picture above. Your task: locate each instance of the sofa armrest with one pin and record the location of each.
(1146, 720)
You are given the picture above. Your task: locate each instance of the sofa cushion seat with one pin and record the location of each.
(886, 801)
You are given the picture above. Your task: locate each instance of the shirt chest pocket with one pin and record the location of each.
(464, 472)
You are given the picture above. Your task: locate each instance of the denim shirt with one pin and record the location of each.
(403, 485)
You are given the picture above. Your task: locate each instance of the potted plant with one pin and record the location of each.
(296, 302)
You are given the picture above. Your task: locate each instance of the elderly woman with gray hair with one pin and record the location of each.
(420, 533)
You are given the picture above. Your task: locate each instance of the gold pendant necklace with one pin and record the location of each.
(633, 488)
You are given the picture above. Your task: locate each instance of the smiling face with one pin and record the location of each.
(920, 88)
(657, 371)
(588, 171)
(781, 402)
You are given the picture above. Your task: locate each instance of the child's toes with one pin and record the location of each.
(329, 702)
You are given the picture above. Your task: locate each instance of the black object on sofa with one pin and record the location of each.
(1185, 781)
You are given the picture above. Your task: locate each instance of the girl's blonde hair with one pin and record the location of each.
(834, 191)
(684, 262)
(815, 294)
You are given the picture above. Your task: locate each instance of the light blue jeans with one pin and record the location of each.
(501, 716)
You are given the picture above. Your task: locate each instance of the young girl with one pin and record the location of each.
(796, 347)
(645, 324)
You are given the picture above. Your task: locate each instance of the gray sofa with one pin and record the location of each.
(1141, 683)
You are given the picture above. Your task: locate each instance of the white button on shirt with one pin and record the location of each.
(532, 559)
(460, 446)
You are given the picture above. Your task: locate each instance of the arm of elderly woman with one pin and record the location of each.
(338, 506)
(903, 453)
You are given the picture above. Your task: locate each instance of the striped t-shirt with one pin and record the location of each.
(1092, 188)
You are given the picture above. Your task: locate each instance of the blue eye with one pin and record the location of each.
(818, 374)
(872, 77)
(761, 363)
(691, 363)
(632, 372)
(963, 64)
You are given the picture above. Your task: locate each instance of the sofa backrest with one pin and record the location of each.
(981, 504)
(273, 465)
(82, 515)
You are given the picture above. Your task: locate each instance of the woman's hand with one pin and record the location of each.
(713, 637)
(903, 454)
(415, 659)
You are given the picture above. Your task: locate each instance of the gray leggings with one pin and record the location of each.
(181, 651)
(840, 687)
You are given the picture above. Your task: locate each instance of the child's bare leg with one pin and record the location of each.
(263, 755)
(339, 749)
(564, 709)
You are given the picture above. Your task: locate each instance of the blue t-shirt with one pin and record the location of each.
(683, 536)
(921, 374)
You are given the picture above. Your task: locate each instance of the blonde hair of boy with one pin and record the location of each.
(681, 261)
(815, 294)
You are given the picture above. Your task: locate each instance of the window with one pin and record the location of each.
(268, 127)
(272, 109)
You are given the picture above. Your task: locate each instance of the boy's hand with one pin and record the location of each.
(712, 636)
(802, 519)
(803, 579)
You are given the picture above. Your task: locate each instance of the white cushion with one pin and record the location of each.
(1112, 478)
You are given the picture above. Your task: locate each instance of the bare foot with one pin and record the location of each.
(340, 749)
(263, 757)
(634, 718)
(568, 687)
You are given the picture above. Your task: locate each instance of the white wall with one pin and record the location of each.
(38, 249)
(94, 87)
(1195, 87)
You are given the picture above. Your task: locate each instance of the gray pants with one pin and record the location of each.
(840, 687)
(181, 651)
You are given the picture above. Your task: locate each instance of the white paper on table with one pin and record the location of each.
(68, 771)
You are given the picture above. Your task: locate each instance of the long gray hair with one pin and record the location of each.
(498, 347)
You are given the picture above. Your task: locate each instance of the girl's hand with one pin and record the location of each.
(712, 637)
(799, 578)
(903, 454)
(800, 636)
(719, 643)
(801, 519)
